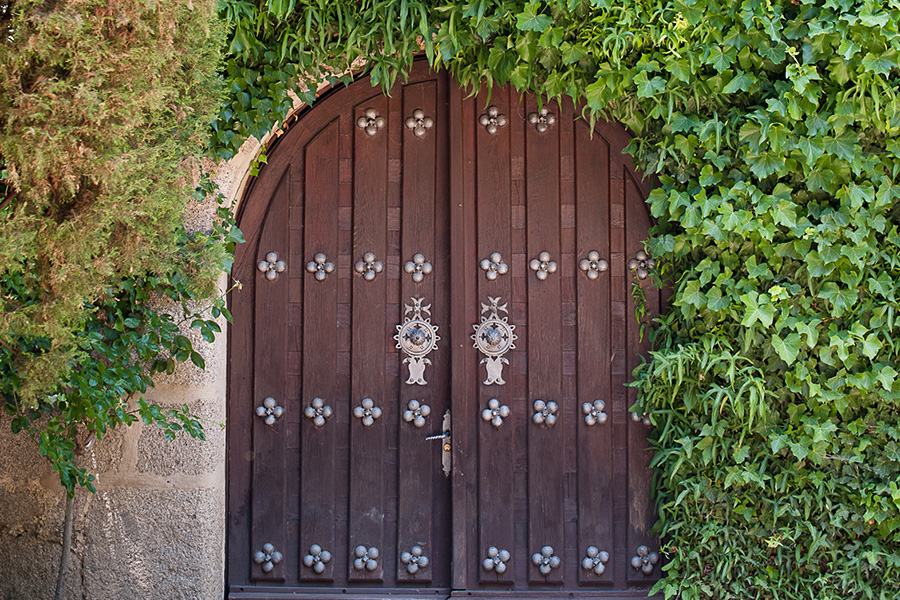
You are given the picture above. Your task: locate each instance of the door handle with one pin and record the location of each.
(446, 445)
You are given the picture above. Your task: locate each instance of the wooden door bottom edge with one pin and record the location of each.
(295, 593)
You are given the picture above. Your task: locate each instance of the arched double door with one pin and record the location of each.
(429, 352)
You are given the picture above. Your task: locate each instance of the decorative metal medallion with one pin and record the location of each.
(418, 267)
(545, 413)
(593, 414)
(641, 418)
(593, 265)
(546, 560)
(495, 413)
(317, 559)
(418, 122)
(641, 264)
(543, 120)
(644, 560)
(542, 265)
(369, 266)
(367, 412)
(415, 413)
(318, 412)
(492, 120)
(595, 561)
(496, 560)
(494, 337)
(365, 558)
(320, 266)
(416, 336)
(271, 266)
(414, 560)
(267, 558)
(494, 266)
(370, 122)
(269, 411)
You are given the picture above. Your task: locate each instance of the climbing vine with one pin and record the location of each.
(772, 128)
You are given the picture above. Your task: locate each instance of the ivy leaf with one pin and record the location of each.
(647, 88)
(871, 345)
(765, 164)
(719, 59)
(741, 82)
(681, 69)
(787, 348)
(756, 310)
(692, 294)
(886, 376)
(530, 20)
(841, 298)
(881, 63)
(842, 146)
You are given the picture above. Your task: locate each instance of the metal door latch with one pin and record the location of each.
(446, 446)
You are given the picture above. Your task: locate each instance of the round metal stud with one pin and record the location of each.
(496, 560)
(318, 412)
(643, 418)
(644, 560)
(493, 266)
(267, 558)
(365, 558)
(595, 561)
(492, 120)
(546, 560)
(415, 413)
(641, 264)
(419, 123)
(593, 265)
(367, 412)
(542, 265)
(271, 266)
(418, 267)
(414, 560)
(269, 411)
(317, 559)
(542, 121)
(495, 413)
(545, 413)
(593, 413)
(370, 122)
(320, 267)
(369, 266)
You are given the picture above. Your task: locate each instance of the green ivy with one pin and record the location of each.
(772, 129)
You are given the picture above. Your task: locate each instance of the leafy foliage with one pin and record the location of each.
(104, 112)
(772, 128)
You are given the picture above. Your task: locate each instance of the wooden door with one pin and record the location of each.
(383, 237)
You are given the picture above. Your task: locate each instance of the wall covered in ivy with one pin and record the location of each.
(772, 128)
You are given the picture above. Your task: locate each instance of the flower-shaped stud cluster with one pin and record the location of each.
(545, 413)
(496, 560)
(320, 266)
(542, 120)
(595, 561)
(644, 560)
(494, 266)
(641, 264)
(593, 265)
(267, 558)
(271, 266)
(414, 560)
(318, 412)
(545, 560)
(269, 411)
(418, 122)
(365, 558)
(495, 413)
(492, 120)
(542, 265)
(415, 413)
(418, 267)
(317, 559)
(593, 413)
(369, 266)
(641, 418)
(367, 412)
(370, 122)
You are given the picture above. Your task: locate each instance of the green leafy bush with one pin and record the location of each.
(772, 128)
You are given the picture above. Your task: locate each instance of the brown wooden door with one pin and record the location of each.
(333, 488)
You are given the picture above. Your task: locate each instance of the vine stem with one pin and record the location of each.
(66, 547)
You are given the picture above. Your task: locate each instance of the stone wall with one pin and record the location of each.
(155, 529)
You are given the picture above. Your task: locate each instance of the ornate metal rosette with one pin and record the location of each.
(267, 558)
(495, 413)
(271, 266)
(367, 412)
(414, 560)
(595, 561)
(365, 558)
(318, 412)
(641, 264)
(370, 122)
(317, 559)
(593, 265)
(546, 560)
(542, 120)
(417, 336)
(418, 267)
(320, 266)
(542, 265)
(496, 560)
(416, 413)
(269, 411)
(593, 413)
(494, 337)
(369, 266)
(418, 122)
(492, 120)
(642, 418)
(545, 413)
(644, 560)
(493, 266)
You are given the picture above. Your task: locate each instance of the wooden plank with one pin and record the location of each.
(546, 444)
(496, 465)
(594, 443)
(320, 432)
(270, 377)
(368, 445)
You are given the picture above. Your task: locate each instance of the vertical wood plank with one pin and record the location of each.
(317, 470)
(368, 447)
(546, 445)
(270, 377)
(595, 459)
